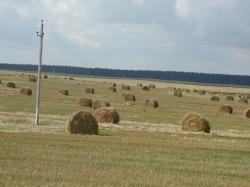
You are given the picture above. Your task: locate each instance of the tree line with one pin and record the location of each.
(138, 74)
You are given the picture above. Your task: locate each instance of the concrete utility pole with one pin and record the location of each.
(41, 35)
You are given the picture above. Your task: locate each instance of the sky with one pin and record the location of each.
(210, 36)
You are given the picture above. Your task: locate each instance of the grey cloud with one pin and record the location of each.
(212, 36)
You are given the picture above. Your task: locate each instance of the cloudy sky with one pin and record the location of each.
(180, 35)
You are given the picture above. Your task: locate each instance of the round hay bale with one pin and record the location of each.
(178, 93)
(32, 79)
(247, 113)
(71, 79)
(82, 123)
(113, 84)
(45, 76)
(226, 109)
(145, 88)
(229, 98)
(248, 96)
(243, 100)
(85, 102)
(151, 86)
(151, 103)
(26, 91)
(11, 85)
(129, 97)
(107, 115)
(195, 122)
(99, 104)
(196, 91)
(125, 87)
(90, 90)
(215, 98)
(112, 88)
(202, 92)
(64, 92)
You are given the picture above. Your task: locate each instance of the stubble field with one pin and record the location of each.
(147, 147)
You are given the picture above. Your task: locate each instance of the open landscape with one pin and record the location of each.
(147, 93)
(146, 148)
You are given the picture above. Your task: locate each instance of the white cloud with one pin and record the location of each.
(66, 17)
(182, 8)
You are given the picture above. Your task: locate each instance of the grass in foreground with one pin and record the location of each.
(123, 158)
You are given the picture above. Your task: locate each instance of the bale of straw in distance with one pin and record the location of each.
(114, 84)
(152, 103)
(90, 90)
(11, 85)
(229, 98)
(195, 91)
(195, 122)
(32, 79)
(215, 98)
(202, 92)
(99, 104)
(64, 92)
(85, 102)
(26, 91)
(125, 87)
(82, 123)
(140, 84)
(151, 86)
(112, 88)
(243, 100)
(45, 76)
(247, 113)
(145, 88)
(178, 93)
(129, 97)
(71, 78)
(226, 109)
(107, 115)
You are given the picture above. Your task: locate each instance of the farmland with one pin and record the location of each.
(147, 147)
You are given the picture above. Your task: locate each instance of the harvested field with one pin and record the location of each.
(140, 149)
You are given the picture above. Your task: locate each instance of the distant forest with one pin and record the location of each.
(138, 74)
